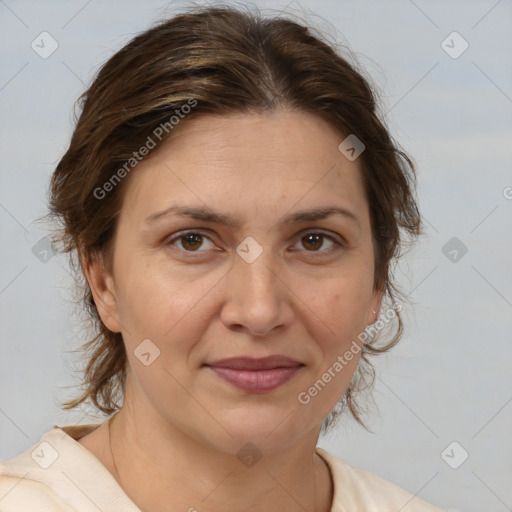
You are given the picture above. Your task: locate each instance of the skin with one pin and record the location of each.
(176, 438)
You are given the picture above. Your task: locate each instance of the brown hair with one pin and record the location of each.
(221, 60)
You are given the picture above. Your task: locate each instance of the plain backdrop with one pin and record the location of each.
(445, 392)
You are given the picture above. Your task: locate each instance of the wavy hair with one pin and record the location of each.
(227, 60)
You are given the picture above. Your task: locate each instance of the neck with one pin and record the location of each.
(175, 472)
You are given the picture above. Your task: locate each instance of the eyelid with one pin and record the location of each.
(329, 234)
(337, 239)
(180, 234)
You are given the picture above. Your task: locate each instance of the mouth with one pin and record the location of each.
(256, 375)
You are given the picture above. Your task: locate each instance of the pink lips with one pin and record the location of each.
(256, 375)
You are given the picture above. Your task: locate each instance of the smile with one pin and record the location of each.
(256, 381)
(256, 375)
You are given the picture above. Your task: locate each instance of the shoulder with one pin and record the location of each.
(39, 475)
(356, 489)
(21, 493)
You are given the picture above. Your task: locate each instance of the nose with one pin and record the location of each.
(257, 300)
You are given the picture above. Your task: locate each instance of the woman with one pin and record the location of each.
(234, 205)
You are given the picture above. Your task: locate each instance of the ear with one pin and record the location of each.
(101, 283)
(373, 313)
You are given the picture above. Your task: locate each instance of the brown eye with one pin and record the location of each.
(314, 241)
(190, 242)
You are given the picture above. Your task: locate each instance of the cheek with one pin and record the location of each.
(342, 307)
(339, 319)
(331, 381)
(145, 304)
(159, 303)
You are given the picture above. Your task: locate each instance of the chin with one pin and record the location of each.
(267, 428)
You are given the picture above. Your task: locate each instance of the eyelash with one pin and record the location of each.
(337, 244)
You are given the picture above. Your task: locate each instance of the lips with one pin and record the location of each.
(256, 375)
(252, 363)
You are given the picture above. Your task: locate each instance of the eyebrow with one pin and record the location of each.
(207, 215)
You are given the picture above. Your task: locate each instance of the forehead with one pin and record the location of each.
(252, 161)
(276, 136)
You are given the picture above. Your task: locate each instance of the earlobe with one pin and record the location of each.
(375, 306)
(102, 287)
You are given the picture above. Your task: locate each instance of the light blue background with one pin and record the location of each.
(449, 379)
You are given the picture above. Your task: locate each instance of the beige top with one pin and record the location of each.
(58, 474)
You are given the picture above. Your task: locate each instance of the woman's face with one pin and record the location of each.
(238, 271)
